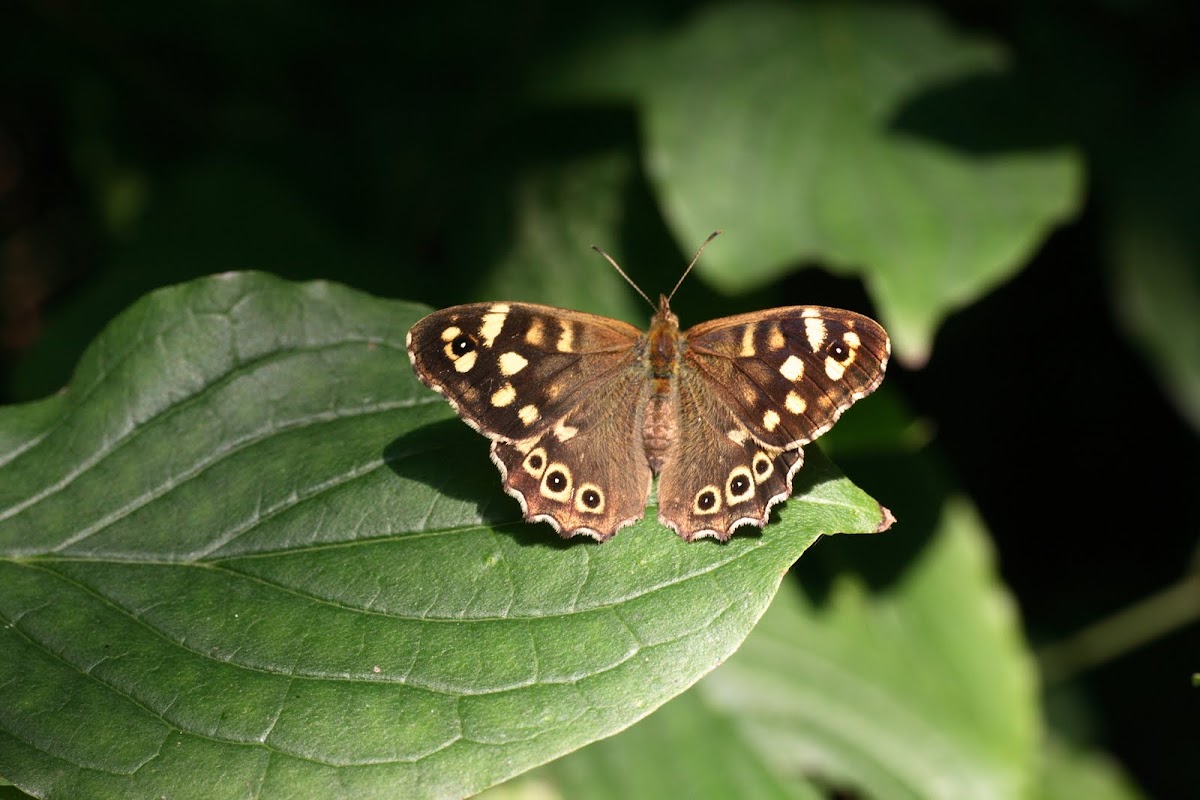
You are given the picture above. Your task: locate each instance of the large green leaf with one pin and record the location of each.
(778, 123)
(245, 552)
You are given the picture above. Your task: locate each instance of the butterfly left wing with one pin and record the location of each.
(754, 389)
(556, 391)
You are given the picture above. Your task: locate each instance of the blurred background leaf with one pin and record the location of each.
(799, 106)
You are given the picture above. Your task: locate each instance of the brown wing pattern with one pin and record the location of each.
(511, 369)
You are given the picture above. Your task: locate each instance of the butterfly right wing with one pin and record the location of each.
(753, 390)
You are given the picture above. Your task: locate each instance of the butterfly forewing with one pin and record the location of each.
(787, 374)
(512, 370)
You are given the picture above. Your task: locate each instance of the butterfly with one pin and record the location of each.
(584, 410)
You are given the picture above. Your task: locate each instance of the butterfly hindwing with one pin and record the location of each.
(719, 477)
(587, 473)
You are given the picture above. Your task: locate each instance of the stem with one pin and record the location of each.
(1155, 616)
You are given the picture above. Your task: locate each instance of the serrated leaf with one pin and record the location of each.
(777, 124)
(245, 552)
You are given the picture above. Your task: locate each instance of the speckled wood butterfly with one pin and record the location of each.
(582, 410)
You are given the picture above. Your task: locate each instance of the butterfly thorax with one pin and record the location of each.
(658, 428)
(664, 345)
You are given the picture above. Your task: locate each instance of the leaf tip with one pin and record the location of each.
(887, 519)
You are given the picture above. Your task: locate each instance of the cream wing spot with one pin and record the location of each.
(536, 335)
(566, 337)
(814, 330)
(833, 369)
(748, 341)
(738, 436)
(464, 362)
(771, 420)
(563, 432)
(451, 333)
(529, 414)
(511, 363)
(775, 338)
(504, 396)
(795, 403)
(493, 323)
(792, 368)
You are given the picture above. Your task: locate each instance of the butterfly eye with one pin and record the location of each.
(843, 349)
(460, 349)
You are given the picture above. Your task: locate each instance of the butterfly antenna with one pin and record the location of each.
(621, 272)
(695, 258)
